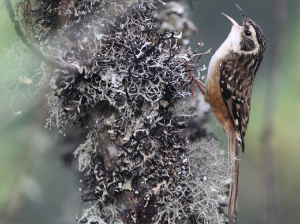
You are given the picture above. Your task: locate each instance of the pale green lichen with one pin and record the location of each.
(24, 71)
(204, 188)
(93, 215)
(87, 150)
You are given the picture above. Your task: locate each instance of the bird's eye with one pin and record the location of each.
(248, 33)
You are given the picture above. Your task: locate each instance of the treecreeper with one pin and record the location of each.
(229, 83)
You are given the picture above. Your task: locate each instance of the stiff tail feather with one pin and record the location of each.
(233, 149)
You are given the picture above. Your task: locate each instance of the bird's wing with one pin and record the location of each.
(237, 75)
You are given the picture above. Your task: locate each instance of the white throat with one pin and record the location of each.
(230, 45)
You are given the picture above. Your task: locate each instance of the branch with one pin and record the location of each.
(32, 46)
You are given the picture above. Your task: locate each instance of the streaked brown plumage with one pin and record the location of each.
(231, 74)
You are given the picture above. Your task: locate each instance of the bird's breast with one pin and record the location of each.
(213, 93)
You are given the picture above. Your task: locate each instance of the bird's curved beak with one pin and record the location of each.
(235, 24)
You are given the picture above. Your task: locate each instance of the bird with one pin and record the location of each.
(228, 89)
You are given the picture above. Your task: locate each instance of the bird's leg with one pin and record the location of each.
(192, 91)
(199, 84)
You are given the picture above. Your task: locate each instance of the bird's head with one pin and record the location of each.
(245, 39)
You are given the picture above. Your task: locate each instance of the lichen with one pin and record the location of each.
(131, 93)
(87, 150)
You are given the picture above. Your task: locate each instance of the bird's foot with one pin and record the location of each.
(193, 78)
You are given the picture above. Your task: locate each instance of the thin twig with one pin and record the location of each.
(40, 54)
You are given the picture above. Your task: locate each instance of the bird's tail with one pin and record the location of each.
(233, 149)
